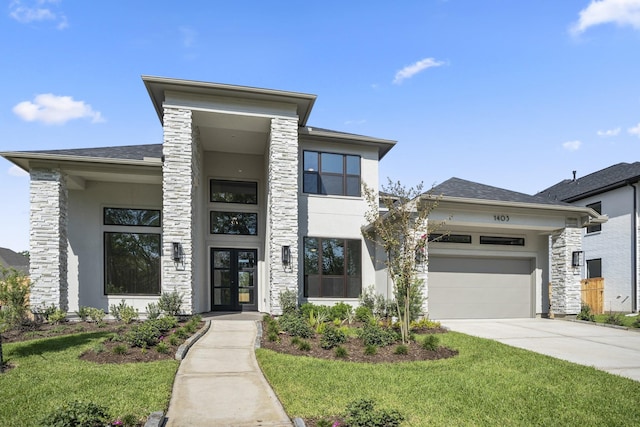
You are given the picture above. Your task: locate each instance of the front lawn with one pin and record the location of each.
(45, 373)
(488, 383)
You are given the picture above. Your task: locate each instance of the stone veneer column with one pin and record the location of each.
(282, 208)
(177, 203)
(565, 279)
(48, 239)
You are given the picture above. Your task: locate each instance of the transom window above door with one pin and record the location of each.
(331, 173)
(242, 192)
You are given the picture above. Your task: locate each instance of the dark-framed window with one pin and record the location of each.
(132, 217)
(132, 263)
(132, 257)
(332, 268)
(449, 238)
(225, 191)
(236, 223)
(594, 268)
(330, 173)
(597, 206)
(499, 240)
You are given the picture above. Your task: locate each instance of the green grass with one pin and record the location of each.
(628, 321)
(47, 372)
(488, 383)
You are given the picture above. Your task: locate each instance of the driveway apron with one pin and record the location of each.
(613, 350)
(219, 383)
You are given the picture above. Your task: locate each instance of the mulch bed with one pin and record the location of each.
(355, 350)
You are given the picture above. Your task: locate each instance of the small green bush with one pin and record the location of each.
(615, 319)
(340, 352)
(153, 311)
(332, 337)
(83, 313)
(174, 340)
(170, 303)
(304, 345)
(585, 313)
(370, 350)
(340, 311)
(288, 301)
(377, 335)
(273, 337)
(162, 348)
(120, 349)
(319, 311)
(363, 314)
(295, 325)
(124, 312)
(58, 316)
(164, 324)
(77, 414)
(424, 323)
(401, 350)
(295, 340)
(181, 333)
(362, 413)
(14, 296)
(95, 314)
(431, 342)
(143, 335)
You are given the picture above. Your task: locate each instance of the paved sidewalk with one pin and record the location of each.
(219, 382)
(613, 350)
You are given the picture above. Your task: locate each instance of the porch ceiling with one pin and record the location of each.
(232, 133)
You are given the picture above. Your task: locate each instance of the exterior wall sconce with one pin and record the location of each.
(286, 255)
(178, 254)
(577, 258)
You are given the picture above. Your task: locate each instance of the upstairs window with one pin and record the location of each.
(330, 173)
(243, 192)
(597, 227)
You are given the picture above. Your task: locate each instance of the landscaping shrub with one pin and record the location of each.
(162, 348)
(124, 312)
(170, 303)
(318, 310)
(295, 325)
(585, 313)
(58, 316)
(119, 349)
(332, 337)
(288, 301)
(363, 314)
(96, 314)
(77, 414)
(379, 306)
(304, 345)
(273, 337)
(143, 335)
(83, 313)
(14, 295)
(362, 413)
(340, 311)
(615, 319)
(164, 324)
(431, 342)
(424, 323)
(341, 352)
(370, 350)
(416, 299)
(153, 311)
(401, 350)
(377, 335)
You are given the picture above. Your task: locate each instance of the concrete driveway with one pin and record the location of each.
(612, 350)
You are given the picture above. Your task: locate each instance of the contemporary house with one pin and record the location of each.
(610, 250)
(243, 200)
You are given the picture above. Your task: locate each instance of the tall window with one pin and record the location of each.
(598, 208)
(594, 268)
(332, 268)
(330, 173)
(132, 246)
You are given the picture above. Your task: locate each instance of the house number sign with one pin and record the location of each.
(501, 218)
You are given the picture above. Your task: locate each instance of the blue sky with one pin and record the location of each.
(506, 93)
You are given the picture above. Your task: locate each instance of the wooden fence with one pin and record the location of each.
(593, 294)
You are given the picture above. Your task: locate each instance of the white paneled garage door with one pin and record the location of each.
(477, 288)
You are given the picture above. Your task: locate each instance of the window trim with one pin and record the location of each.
(587, 268)
(345, 276)
(345, 175)
(234, 181)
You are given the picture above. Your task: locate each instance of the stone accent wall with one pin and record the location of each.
(48, 239)
(282, 208)
(177, 211)
(565, 279)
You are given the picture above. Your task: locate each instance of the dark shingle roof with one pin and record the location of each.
(11, 259)
(598, 182)
(127, 152)
(456, 187)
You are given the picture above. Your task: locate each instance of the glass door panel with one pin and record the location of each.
(233, 279)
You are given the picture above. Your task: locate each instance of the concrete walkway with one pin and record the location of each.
(616, 351)
(219, 382)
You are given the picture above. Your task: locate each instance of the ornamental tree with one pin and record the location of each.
(397, 219)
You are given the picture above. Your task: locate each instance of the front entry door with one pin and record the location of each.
(234, 279)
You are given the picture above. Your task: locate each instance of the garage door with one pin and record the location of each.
(476, 288)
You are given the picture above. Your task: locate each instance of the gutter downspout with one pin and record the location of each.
(634, 248)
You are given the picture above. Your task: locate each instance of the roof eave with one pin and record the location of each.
(383, 145)
(600, 190)
(15, 157)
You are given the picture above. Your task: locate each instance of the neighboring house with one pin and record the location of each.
(11, 259)
(611, 249)
(244, 200)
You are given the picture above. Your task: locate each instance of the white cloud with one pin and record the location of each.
(52, 109)
(609, 132)
(29, 11)
(355, 122)
(16, 171)
(572, 145)
(413, 69)
(619, 12)
(635, 130)
(188, 36)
